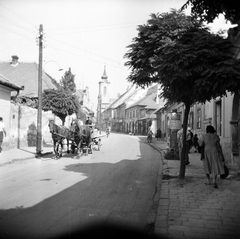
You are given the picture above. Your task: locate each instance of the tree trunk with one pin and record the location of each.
(63, 120)
(183, 153)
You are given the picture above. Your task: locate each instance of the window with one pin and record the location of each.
(219, 117)
(191, 117)
(104, 91)
(199, 119)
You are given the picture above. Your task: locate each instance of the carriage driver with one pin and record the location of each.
(88, 122)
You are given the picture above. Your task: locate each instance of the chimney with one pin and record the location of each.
(14, 60)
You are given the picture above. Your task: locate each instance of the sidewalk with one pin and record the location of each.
(13, 155)
(191, 209)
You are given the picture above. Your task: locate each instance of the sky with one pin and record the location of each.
(84, 35)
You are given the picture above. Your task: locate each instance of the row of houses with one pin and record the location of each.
(133, 111)
(18, 91)
(137, 109)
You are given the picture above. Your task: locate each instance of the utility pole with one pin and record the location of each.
(39, 116)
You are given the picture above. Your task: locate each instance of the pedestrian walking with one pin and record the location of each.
(149, 135)
(2, 131)
(159, 134)
(189, 139)
(211, 157)
(180, 145)
(195, 143)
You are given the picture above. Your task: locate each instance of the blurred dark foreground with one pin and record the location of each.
(112, 231)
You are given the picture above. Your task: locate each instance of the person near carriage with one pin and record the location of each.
(2, 132)
(149, 135)
(88, 122)
(107, 131)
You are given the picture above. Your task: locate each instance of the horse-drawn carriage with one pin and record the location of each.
(78, 137)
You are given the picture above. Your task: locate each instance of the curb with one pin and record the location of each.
(15, 160)
(152, 218)
(24, 158)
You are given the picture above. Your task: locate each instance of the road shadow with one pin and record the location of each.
(83, 208)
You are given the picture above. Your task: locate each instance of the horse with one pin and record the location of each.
(59, 133)
(81, 136)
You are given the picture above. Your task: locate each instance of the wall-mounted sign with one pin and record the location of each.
(175, 124)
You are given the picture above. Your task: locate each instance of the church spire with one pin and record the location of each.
(104, 76)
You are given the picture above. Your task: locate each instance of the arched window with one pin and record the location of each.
(104, 91)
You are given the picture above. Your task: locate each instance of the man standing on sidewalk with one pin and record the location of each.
(2, 130)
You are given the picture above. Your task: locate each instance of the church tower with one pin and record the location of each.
(103, 96)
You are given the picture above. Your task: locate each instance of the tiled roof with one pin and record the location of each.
(145, 97)
(8, 83)
(122, 98)
(25, 74)
(152, 105)
(145, 101)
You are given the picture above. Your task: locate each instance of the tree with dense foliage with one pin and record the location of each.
(190, 63)
(61, 103)
(67, 81)
(208, 10)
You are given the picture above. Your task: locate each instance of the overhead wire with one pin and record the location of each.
(87, 31)
(50, 47)
(14, 32)
(99, 28)
(11, 26)
(16, 14)
(71, 53)
(52, 54)
(85, 50)
(94, 26)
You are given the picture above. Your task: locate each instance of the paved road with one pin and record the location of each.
(42, 198)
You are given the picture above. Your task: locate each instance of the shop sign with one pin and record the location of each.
(175, 124)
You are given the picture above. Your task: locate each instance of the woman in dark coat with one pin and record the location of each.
(159, 134)
(212, 160)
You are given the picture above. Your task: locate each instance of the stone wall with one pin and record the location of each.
(20, 131)
(5, 104)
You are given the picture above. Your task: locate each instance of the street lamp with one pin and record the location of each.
(52, 61)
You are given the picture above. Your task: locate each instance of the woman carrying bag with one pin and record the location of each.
(226, 171)
(211, 156)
